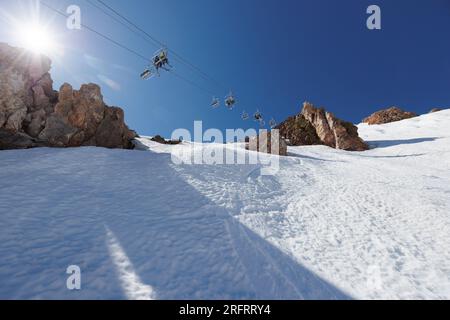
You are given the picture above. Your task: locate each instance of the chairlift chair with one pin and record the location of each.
(272, 123)
(215, 103)
(147, 74)
(244, 116)
(160, 60)
(230, 101)
(257, 116)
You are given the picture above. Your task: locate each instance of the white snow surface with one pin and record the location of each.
(329, 224)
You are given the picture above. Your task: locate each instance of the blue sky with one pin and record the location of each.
(273, 54)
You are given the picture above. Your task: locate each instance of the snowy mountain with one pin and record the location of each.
(329, 224)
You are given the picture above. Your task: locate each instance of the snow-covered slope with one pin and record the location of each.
(328, 225)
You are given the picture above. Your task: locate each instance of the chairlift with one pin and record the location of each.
(215, 103)
(147, 74)
(244, 116)
(230, 101)
(257, 116)
(272, 123)
(160, 60)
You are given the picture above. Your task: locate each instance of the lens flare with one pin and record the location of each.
(36, 38)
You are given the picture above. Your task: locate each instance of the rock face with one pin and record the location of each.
(268, 143)
(314, 126)
(435, 110)
(299, 131)
(388, 115)
(32, 114)
(161, 140)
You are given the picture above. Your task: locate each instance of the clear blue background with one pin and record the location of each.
(274, 54)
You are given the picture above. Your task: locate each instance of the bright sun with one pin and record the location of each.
(36, 38)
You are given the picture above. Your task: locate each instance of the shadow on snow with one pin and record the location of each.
(172, 240)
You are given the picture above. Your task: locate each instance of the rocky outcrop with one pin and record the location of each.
(161, 140)
(32, 114)
(435, 110)
(388, 115)
(299, 131)
(316, 126)
(267, 142)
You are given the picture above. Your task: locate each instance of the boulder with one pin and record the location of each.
(32, 114)
(346, 134)
(112, 131)
(17, 140)
(388, 115)
(317, 117)
(316, 126)
(161, 140)
(299, 131)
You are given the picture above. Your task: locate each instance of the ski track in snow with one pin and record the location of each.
(329, 225)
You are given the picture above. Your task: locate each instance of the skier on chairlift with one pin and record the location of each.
(258, 116)
(230, 101)
(161, 60)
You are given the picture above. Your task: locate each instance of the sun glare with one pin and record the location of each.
(36, 38)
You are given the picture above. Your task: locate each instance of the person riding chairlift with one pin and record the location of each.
(258, 116)
(160, 60)
(230, 101)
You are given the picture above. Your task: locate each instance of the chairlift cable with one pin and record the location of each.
(123, 46)
(97, 33)
(158, 42)
(175, 54)
(92, 3)
(191, 82)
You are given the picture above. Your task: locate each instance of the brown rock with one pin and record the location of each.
(315, 126)
(65, 102)
(318, 119)
(161, 140)
(2, 119)
(17, 140)
(298, 131)
(388, 115)
(36, 122)
(112, 132)
(33, 114)
(346, 134)
(57, 133)
(88, 109)
(435, 110)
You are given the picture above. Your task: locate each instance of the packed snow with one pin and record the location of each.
(328, 224)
